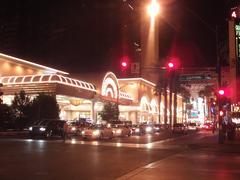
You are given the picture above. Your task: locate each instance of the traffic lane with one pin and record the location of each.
(192, 137)
(135, 139)
(39, 159)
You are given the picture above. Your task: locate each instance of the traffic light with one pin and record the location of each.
(124, 63)
(172, 64)
(235, 12)
(221, 92)
(221, 113)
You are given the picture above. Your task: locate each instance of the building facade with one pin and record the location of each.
(78, 98)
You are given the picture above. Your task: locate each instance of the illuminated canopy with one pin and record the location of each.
(48, 70)
(50, 78)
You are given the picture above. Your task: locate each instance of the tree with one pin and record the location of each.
(159, 91)
(110, 112)
(44, 106)
(21, 105)
(6, 117)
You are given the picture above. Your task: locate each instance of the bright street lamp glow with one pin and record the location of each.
(153, 8)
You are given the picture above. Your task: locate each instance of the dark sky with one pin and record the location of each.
(92, 35)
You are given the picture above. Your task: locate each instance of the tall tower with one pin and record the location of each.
(150, 40)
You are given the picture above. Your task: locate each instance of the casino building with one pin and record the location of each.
(84, 96)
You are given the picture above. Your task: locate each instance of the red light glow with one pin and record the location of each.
(170, 65)
(221, 92)
(124, 64)
(221, 113)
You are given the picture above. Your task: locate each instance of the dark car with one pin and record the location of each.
(179, 128)
(47, 129)
(137, 129)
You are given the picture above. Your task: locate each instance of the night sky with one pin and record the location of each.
(92, 35)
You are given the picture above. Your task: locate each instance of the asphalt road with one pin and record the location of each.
(39, 159)
(76, 159)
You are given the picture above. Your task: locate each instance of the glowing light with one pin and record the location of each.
(170, 65)
(73, 141)
(221, 92)
(221, 113)
(119, 144)
(46, 78)
(234, 14)
(153, 9)
(124, 64)
(33, 64)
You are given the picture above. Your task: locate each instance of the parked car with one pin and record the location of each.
(192, 126)
(179, 128)
(97, 132)
(47, 128)
(121, 130)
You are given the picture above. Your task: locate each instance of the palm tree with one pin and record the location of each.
(159, 91)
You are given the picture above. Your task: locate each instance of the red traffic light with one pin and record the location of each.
(221, 113)
(170, 65)
(221, 92)
(124, 63)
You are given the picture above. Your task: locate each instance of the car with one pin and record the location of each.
(121, 130)
(75, 128)
(157, 127)
(137, 129)
(207, 126)
(148, 129)
(97, 132)
(179, 128)
(192, 126)
(47, 128)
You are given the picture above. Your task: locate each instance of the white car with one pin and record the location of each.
(97, 132)
(192, 126)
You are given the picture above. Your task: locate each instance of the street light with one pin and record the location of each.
(153, 8)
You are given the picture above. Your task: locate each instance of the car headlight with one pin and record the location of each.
(148, 129)
(96, 133)
(42, 129)
(119, 131)
(137, 130)
(30, 128)
(73, 128)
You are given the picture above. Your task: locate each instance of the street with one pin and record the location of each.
(192, 154)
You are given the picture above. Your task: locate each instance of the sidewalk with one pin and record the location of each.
(205, 159)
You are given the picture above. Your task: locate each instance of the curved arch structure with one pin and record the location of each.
(110, 87)
(47, 78)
